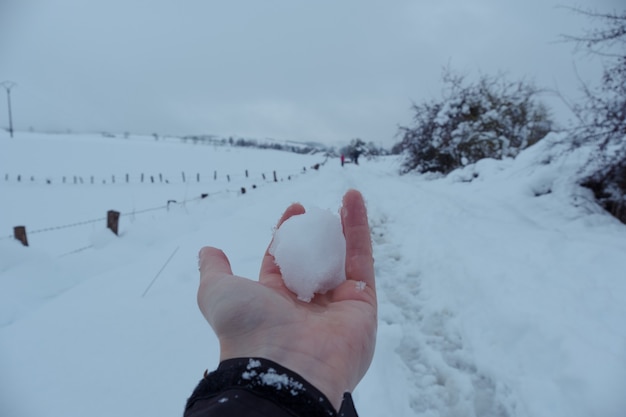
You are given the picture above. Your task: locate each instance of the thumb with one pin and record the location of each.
(213, 263)
(214, 267)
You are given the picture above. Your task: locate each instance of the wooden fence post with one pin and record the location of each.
(183, 176)
(19, 233)
(113, 220)
(275, 180)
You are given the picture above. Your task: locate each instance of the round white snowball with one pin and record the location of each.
(310, 251)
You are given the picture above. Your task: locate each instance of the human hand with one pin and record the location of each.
(329, 341)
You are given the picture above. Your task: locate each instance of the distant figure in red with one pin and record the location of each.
(343, 159)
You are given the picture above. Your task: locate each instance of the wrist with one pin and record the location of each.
(320, 374)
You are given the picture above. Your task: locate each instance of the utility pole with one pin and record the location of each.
(8, 85)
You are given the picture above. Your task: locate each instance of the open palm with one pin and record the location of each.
(329, 341)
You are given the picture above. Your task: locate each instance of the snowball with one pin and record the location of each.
(310, 251)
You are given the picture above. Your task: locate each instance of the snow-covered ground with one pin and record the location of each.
(502, 287)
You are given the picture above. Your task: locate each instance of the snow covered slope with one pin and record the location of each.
(501, 287)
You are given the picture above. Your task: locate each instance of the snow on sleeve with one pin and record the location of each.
(310, 251)
(281, 381)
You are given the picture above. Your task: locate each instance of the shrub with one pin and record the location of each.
(491, 118)
(602, 113)
(357, 147)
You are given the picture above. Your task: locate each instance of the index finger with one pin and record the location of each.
(359, 255)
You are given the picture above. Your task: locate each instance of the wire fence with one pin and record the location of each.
(145, 178)
(20, 233)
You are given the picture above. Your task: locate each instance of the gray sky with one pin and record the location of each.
(323, 70)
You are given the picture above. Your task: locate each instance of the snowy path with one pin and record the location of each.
(497, 306)
(441, 373)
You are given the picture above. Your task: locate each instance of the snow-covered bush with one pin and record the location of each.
(602, 114)
(357, 147)
(491, 118)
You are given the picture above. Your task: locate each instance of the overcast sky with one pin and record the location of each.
(323, 70)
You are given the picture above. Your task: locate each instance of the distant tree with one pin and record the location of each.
(246, 142)
(397, 148)
(491, 118)
(354, 149)
(357, 147)
(602, 113)
(372, 150)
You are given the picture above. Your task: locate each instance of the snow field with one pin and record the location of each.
(500, 287)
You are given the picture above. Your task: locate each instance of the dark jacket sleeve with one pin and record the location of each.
(255, 387)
